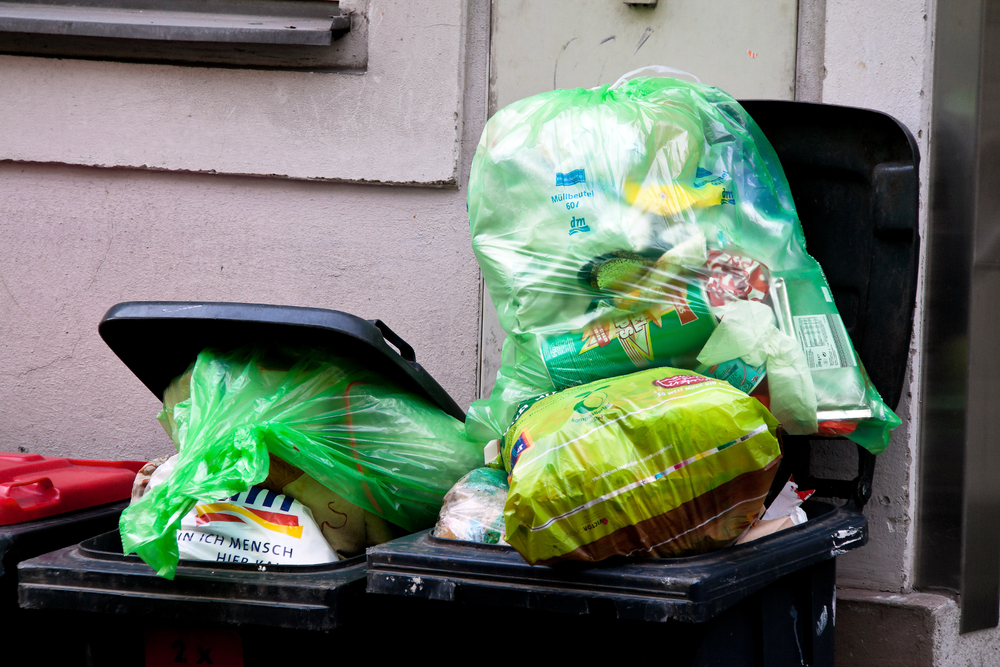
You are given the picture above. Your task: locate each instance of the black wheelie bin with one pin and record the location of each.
(46, 503)
(853, 175)
(211, 613)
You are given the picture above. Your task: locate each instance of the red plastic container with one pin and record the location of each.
(34, 487)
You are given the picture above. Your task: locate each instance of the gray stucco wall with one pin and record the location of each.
(74, 240)
(877, 55)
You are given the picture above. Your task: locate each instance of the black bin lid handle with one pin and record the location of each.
(404, 348)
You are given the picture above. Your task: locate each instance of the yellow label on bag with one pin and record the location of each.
(672, 198)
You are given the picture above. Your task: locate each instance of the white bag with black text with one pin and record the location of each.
(257, 526)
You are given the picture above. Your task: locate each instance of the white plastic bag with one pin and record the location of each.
(256, 526)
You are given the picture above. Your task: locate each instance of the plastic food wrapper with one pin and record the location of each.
(257, 526)
(663, 462)
(145, 474)
(784, 512)
(377, 446)
(616, 227)
(473, 509)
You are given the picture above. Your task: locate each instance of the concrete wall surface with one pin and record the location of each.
(878, 55)
(541, 45)
(396, 122)
(914, 630)
(75, 240)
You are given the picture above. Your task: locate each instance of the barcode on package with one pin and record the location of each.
(824, 341)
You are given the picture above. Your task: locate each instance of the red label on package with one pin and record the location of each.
(684, 312)
(679, 381)
(601, 334)
(733, 278)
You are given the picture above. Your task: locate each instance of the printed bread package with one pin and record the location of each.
(617, 228)
(663, 463)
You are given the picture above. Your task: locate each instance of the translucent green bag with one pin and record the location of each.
(382, 448)
(616, 229)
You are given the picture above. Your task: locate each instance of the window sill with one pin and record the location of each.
(397, 121)
(279, 34)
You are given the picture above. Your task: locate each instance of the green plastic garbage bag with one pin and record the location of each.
(662, 462)
(615, 228)
(380, 447)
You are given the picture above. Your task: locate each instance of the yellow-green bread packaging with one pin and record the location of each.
(662, 463)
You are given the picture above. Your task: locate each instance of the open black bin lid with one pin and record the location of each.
(158, 340)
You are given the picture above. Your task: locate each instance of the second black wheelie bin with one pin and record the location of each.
(48, 502)
(219, 613)
(854, 177)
